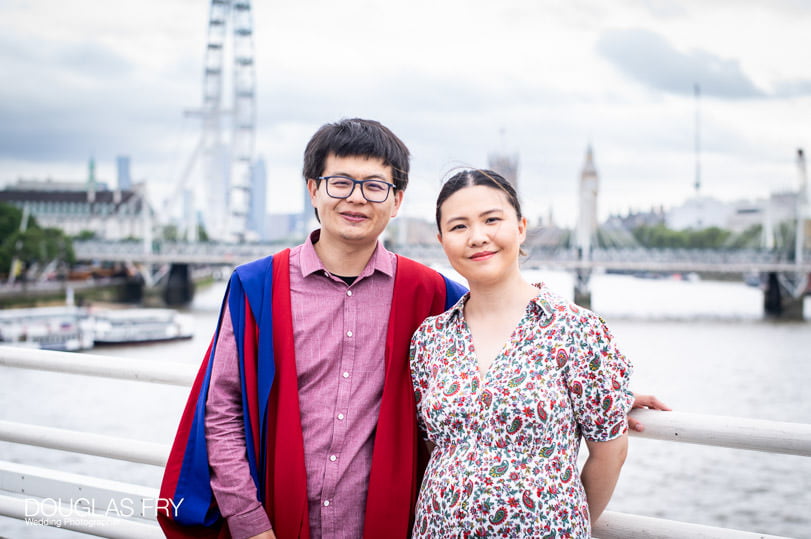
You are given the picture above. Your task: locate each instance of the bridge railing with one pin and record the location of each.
(627, 259)
(34, 494)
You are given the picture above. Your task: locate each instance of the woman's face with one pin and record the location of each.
(481, 233)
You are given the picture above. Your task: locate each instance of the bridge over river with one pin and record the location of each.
(784, 281)
(619, 259)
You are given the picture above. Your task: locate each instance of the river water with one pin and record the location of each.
(701, 346)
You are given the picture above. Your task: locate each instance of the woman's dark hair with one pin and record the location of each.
(471, 177)
(357, 137)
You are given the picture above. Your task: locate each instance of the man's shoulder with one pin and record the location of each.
(256, 271)
(419, 269)
(259, 263)
(262, 264)
(411, 272)
(411, 265)
(430, 280)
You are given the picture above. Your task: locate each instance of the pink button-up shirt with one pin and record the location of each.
(339, 334)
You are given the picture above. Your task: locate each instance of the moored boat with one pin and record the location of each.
(65, 328)
(119, 326)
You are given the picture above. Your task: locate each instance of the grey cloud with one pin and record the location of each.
(665, 9)
(406, 94)
(63, 101)
(793, 88)
(651, 60)
(66, 134)
(85, 58)
(67, 123)
(90, 59)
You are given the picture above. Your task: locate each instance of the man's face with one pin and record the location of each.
(353, 220)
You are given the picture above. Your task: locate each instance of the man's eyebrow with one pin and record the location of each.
(369, 177)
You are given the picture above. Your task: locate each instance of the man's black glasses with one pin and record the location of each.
(344, 186)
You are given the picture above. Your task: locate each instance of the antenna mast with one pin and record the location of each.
(697, 93)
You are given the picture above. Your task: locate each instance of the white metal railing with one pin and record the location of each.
(76, 519)
(88, 443)
(88, 504)
(723, 431)
(732, 432)
(159, 372)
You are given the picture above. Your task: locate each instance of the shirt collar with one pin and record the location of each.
(540, 304)
(381, 260)
(458, 308)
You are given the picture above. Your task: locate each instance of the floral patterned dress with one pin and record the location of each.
(505, 462)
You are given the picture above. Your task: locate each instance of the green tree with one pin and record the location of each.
(86, 235)
(202, 235)
(34, 245)
(748, 239)
(661, 237)
(170, 233)
(10, 217)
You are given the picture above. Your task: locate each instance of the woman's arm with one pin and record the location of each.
(601, 471)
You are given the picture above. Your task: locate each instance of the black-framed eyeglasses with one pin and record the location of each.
(343, 187)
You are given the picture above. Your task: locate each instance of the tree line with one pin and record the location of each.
(782, 237)
(29, 243)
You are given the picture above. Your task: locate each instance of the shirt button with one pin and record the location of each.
(326, 503)
(333, 458)
(346, 375)
(340, 417)
(349, 333)
(348, 292)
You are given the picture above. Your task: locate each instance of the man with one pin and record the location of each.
(301, 422)
(330, 447)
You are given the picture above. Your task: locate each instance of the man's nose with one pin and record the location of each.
(357, 194)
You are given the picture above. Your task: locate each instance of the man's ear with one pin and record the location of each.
(398, 201)
(312, 187)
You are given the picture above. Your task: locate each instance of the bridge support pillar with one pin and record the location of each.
(179, 289)
(132, 291)
(779, 303)
(582, 288)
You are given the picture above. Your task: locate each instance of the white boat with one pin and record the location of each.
(118, 326)
(65, 328)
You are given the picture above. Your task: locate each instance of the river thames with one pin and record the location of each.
(700, 346)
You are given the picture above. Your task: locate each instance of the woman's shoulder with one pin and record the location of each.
(566, 311)
(435, 323)
(445, 319)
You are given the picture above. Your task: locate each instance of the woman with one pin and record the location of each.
(506, 383)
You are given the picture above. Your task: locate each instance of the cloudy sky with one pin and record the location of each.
(456, 79)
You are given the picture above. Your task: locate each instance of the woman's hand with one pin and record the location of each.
(645, 401)
(264, 535)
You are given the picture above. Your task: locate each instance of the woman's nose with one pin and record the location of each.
(477, 235)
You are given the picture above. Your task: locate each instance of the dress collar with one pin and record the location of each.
(540, 303)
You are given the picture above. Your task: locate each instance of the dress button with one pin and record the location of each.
(333, 458)
(326, 503)
(340, 417)
(349, 333)
(348, 292)
(346, 375)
